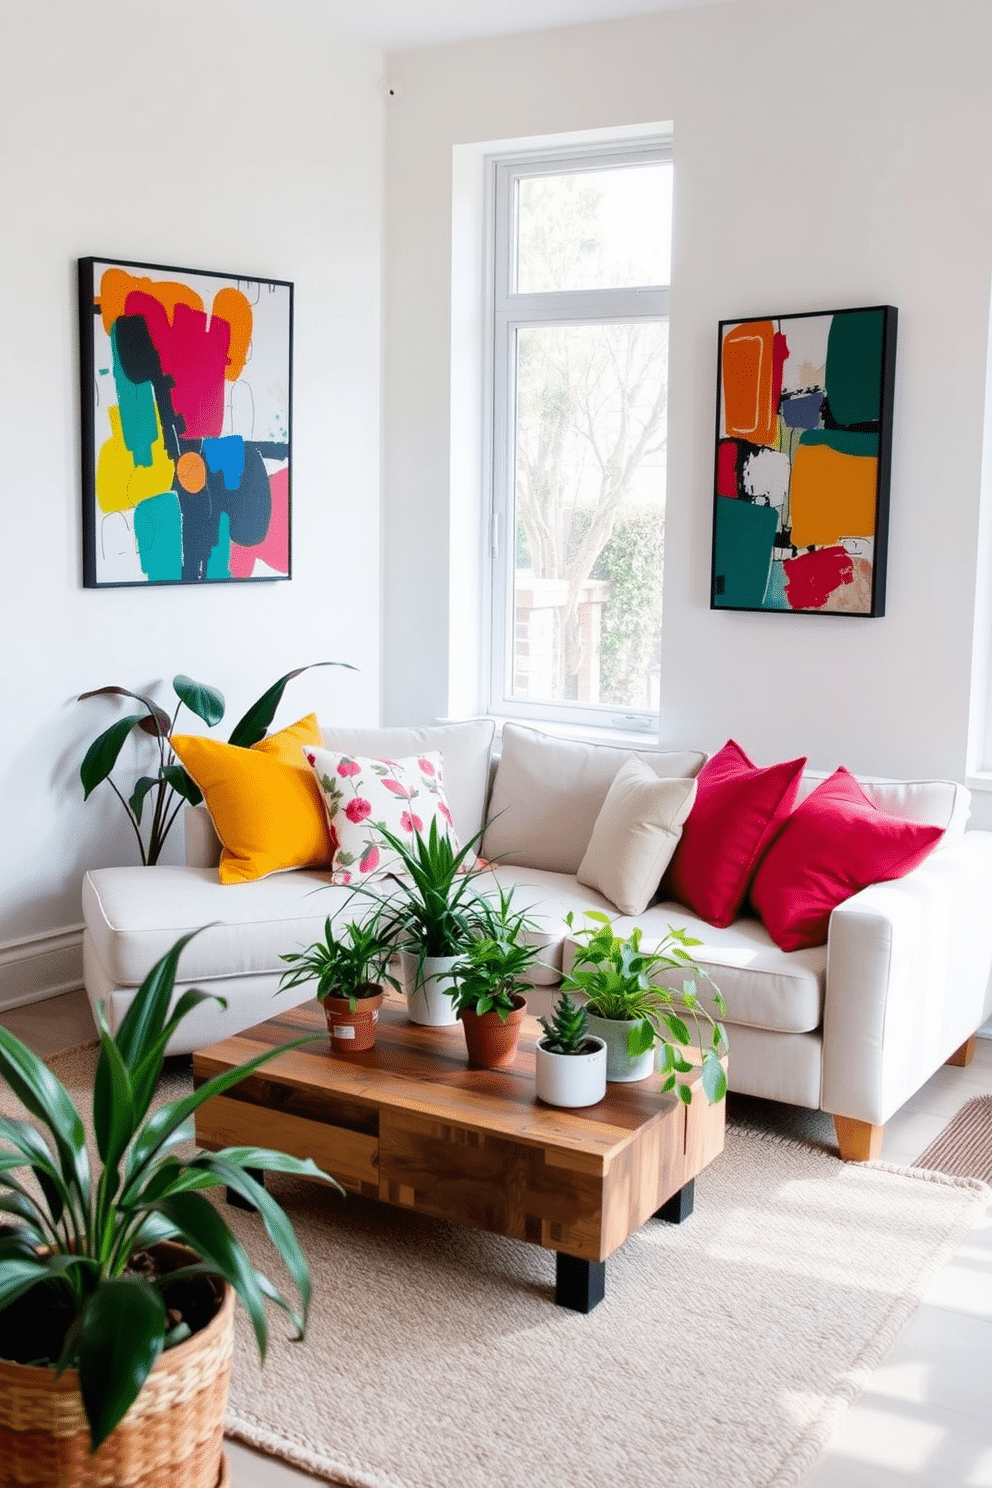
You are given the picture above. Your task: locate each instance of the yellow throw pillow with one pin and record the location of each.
(264, 802)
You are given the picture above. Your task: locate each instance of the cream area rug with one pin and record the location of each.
(723, 1352)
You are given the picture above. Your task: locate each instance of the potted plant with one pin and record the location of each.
(491, 979)
(169, 786)
(120, 1282)
(571, 1062)
(633, 1014)
(432, 916)
(349, 969)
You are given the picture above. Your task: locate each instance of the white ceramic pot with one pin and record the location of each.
(431, 998)
(571, 1079)
(621, 1067)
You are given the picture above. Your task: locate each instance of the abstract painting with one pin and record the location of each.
(803, 454)
(186, 413)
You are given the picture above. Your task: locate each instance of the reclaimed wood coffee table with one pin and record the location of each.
(410, 1123)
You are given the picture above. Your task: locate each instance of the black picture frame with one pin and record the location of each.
(186, 383)
(802, 464)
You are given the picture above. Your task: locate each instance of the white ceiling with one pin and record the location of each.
(392, 25)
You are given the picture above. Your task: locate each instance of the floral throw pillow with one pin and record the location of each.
(360, 795)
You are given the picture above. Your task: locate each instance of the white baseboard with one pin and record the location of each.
(41, 966)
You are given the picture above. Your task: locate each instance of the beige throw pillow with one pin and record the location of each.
(636, 833)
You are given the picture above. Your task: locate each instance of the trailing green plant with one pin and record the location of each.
(351, 963)
(78, 1241)
(616, 975)
(169, 785)
(495, 968)
(434, 908)
(567, 1031)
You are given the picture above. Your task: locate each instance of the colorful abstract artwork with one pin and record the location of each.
(186, 409)
(803, 454)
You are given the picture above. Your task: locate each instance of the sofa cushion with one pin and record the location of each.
(739, 809)
(834, 844)
(465, 748)
(935, 803)
(135, 915)
(264, 802)
(764, 987)
(548, 792)
(405, 796)
(635, 834)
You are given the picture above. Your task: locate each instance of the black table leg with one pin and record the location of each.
(679, 1206)
(579, 1284)
(238, 1201)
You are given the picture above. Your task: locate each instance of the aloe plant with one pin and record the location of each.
(78, 1242)
(616, 975)
(169, 785)
(567, 1030)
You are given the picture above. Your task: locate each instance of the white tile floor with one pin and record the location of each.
(925, 1418)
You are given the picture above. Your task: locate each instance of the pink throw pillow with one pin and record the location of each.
(834, 844)
(739, 809)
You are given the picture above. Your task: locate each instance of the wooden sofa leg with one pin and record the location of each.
(965, 1054)
(859, 1141)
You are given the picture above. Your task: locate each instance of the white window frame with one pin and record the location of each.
(509, 312)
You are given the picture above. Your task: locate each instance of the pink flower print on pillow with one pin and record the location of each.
(361, 794)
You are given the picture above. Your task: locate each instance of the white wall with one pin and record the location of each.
(826, 155)
(205, 135)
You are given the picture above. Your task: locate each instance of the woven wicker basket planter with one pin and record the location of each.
(170, 1438)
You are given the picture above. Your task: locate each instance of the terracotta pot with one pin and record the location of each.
(170, 1438)
(491, 1043)
(352, 1031)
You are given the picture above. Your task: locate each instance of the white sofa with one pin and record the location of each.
(854, 1027)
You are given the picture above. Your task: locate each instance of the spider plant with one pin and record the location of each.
(78, 1239)
(495, 967)
(349, 964)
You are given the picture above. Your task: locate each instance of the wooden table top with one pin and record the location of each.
(426, 1070)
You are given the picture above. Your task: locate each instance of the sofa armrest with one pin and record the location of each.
(908, 966)
(202, 842)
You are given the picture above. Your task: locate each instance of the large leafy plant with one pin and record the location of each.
(78, 1240)
(351, 963)
(617, 976)
(168, 784)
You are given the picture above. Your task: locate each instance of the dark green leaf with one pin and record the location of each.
(677, 1028)
(122, 1332)
(145, 1018)
(144, 1076)
(684, 1094)
(38, 1155)
(203, 1229)
(47, 1099)
(206, 702)
(182, 784)
(157, 721)
(17, 1276)
(249, 729)
(141, 789)
(101, 757)
(640, 1038)
(113, 1103)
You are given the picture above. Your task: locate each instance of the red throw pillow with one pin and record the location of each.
(739, 808)
(835, 843)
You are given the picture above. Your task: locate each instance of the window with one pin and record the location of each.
(582, 266)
